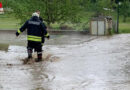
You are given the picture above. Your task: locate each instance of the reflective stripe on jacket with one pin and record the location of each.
(36, 30)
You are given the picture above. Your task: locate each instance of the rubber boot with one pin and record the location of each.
(39, 57)
(29, 53)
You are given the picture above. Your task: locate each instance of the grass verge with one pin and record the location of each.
(124, 28)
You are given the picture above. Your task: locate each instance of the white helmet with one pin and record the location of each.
(35, 14)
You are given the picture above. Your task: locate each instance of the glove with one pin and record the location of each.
(48, 37)
(17, 34)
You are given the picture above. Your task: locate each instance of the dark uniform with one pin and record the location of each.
(43, 38)
(35, 32)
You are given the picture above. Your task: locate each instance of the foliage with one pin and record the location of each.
(76, 12)
(125, 9)
(51, 10)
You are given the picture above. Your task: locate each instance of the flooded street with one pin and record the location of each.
(71, 62)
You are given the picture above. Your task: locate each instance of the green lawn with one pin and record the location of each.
(8, 22)
(124, 27)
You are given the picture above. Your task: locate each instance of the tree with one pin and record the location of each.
(97, 6)
(51, 10)
(125, 9)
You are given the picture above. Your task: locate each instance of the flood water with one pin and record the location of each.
(71, 62)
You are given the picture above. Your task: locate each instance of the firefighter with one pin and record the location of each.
(41, 19)
(43, 37)
(35, 32)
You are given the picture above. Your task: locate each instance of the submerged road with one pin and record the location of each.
(83, 63)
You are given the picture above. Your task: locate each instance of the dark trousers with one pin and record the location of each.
(37, 46)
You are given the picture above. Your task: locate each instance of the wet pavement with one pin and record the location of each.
(76, 62)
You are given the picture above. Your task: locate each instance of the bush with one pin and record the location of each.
(65, 27)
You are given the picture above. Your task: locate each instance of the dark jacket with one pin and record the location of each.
(36, 30)
(43, 38)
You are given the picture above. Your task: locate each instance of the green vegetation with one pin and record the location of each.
(8, 22)
(65, 14)
(124, 27)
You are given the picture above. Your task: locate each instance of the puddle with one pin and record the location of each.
(54, 39)
(46, 57)
(87, 64)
